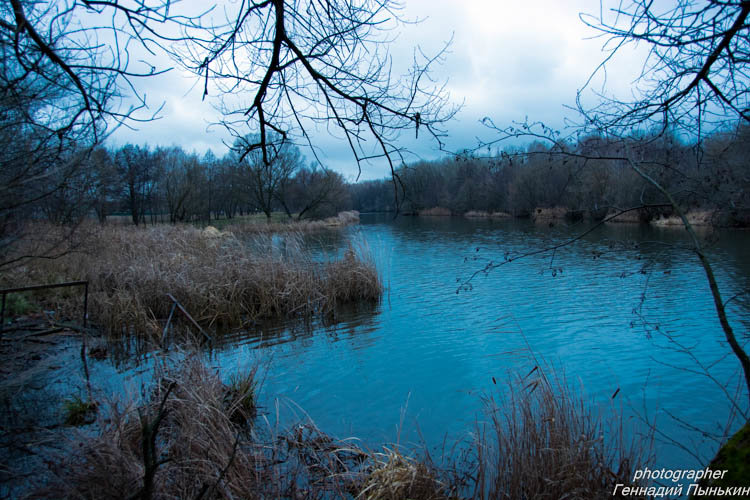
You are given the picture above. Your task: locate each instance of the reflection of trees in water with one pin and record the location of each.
(347, 322)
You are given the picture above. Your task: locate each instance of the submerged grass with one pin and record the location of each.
(221, 280)
(240, 397)
(79, 411)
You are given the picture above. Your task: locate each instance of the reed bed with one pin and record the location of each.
(545, 441)
(184, 440)
(220, 279)
(343, 219)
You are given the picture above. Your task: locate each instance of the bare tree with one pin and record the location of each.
(104, 183)
(694, 83)
(68, 75)
(315, 192)
(695, 77)
(264, 180)
(138, 168)
(308, 65)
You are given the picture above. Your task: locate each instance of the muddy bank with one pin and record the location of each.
(481, 214)
(436, 212)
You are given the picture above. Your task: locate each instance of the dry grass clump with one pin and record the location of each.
(482, 214)
(78, 411)
(544, 442)
(180, 443)
(220, 280)
(343, 219)
(696, 217)
(183, 443)
(393, 476)
(352, 277)
(239, 397)
(546, 214)
(436, 212)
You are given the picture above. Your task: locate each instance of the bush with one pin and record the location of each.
(79, 411)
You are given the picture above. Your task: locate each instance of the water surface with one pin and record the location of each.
(626, 308)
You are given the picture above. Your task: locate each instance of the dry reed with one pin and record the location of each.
(221, 280)
(394, 476)
(184, 441)
(343, 219)
(180, 443)
(543, 441)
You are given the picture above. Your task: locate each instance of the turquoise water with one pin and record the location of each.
(626, 309)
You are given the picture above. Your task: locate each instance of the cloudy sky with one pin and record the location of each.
(509, 59)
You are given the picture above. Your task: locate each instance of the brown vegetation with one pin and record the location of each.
(549, 214)
(184, 441)
(299, 226)
(545, 441)
(394, 476)
(481, 214)
(180, 443)
(222, 280)
(695, 217)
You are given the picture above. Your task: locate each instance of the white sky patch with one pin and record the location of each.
(185, 119)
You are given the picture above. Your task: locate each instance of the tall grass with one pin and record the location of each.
(180, 443)
(184, 441)
(544, 441)
(262, 226)
(221, 280)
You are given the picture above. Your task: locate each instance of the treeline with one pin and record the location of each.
(167, 184)
(590, 178)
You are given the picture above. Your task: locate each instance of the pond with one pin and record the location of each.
(625, 310)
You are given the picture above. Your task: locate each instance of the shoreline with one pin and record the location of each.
(698, 218)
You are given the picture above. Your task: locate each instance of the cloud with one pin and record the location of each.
(184, 118)
(509, 60)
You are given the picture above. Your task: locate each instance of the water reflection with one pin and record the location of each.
(344, 323)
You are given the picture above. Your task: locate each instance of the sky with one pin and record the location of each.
(509, 60)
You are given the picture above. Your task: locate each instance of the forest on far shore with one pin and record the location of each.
(588, 179)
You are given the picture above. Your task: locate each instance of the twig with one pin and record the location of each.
(187, 315)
